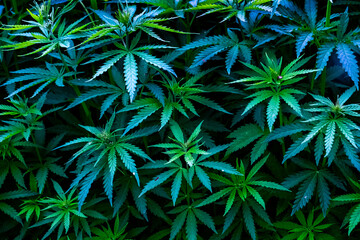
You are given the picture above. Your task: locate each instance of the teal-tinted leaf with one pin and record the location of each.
(348, 61)
(354, 219)
(191, 226)
(177, 132)
(221, 166)
(249, 221)
(157, 180)
(175, 187)
(271, 185)
(155, 61)
(302, 41)
(143, 114)
(166, 115)
(131, 74)
(231, 57)
(311, 11)
(107, 65)
(203, 177)
(41, 177)
(319, 148)
(350, 151)
(273, 110)
(207, 102)
(9, 210)
(323, 56)
(324, 194)
(205, 218)
(329, 137)
(177, 224)
(304, 194)
(214, 197)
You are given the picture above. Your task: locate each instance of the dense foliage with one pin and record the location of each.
(171, 119)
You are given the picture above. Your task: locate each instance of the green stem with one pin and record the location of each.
(92, 20)
(76, 89)
(328, 13)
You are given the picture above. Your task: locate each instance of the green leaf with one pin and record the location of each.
(9, 210)
(166, 115)
(354, 219)
(256, 196)
(175, 187)
(203, 177)
(177, 132)
(273, 110)
(207, 102)
(214, 197)
(329, 137)
(348, 61)
(157, 181)
(155, 61)
(177, 224)
(131, 74)
(205, 218)
(143, 114)
(191, 226)
(271, 185)
(323, 56)
(324, 194)
(249, 221)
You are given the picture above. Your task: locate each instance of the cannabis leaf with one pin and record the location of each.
(309, 179)
(243, 185)
(332, 125)
(107, 146)
(217, 44)
(273, 82)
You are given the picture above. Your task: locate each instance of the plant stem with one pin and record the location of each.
(76, 89)
(328, 13)
(92, 20)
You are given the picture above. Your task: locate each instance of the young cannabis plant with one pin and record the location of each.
(190, 214)
(245, 187)
(309, 228)
(106, 147)
(331, 124)
(60, 211)
(194, 160)
(310, 178)
(27, 119)
(273, 82)
(305, 26)
(182, 96)
(11, 195)
(48, 22)
(106, 233)
(217, 44)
